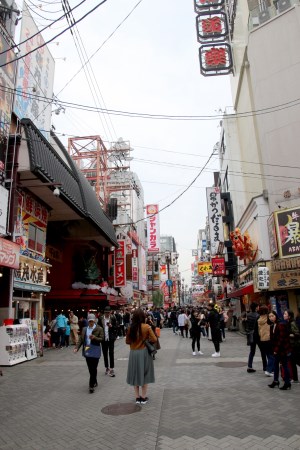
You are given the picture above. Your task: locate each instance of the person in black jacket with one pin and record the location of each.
(109, 324)
(214, 323)
(195, 331)
(251, 329)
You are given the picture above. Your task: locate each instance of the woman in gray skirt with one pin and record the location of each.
(140, 365)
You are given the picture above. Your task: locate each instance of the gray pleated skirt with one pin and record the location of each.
(140, 368)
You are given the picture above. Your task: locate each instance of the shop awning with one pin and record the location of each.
(51, 164)
(85, 294)
(249, 289)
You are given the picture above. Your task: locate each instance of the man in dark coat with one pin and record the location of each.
(109, 324)
(214, 323)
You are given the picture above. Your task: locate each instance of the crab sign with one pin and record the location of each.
(242, 245)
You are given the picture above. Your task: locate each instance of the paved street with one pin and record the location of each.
(197, 402)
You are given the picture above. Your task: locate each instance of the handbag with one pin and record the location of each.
(250, 337)
(92, 351)
(150, 347)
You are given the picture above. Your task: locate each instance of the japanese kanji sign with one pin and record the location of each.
(272, 235)
(286, 280)
(153, 231)
(263, 278)
(201, 5)
(218, 266)
(135, 273)
(211, 26)
(288, 232)
(120, 264)
(215, 59)
(215, 220)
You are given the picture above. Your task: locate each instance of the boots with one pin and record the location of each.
(274, 384)
(285, 387)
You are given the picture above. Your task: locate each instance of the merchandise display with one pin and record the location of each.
(13, 339)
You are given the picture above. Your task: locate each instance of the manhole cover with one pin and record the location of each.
(121, 409)
(231, 365)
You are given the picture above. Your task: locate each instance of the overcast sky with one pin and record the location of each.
(149, 65)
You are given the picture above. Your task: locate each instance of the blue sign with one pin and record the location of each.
(169, 283)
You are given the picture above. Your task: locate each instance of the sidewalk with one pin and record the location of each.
(197, 402)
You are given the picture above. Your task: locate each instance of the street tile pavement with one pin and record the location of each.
(197, 402)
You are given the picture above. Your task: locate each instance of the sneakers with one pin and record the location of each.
(200, 353)
(111, 373)
(91, 390)
(250, 370)
(268, 374)
(144, 400)
(138, 400)
(106, 371)
(216, 355)
(194, 353)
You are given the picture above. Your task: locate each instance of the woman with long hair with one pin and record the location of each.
(140, 370)
(294, 336)
(281, 350)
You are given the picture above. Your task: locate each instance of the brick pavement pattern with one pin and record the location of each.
(197, 402)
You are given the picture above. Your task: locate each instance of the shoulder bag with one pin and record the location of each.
(150, 347)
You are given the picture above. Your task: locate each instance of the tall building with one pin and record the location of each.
(257, 151)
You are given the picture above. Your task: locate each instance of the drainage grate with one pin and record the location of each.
(231, 365)
(121, 409)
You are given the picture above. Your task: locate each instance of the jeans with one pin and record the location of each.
(108, 348)
(267, 356)
(174, 325)
(61, 336)
(182, 329)
(92, 364)
(251, 354)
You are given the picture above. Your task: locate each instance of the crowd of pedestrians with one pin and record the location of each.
(278, 341)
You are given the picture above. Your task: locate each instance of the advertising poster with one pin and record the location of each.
(153, 231)
(35, 75)
(215, 220)
(288, 232)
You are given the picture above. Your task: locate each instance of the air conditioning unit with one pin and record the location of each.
(263, 16)
(282, 5)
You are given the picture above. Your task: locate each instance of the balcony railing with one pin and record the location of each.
(258, 16)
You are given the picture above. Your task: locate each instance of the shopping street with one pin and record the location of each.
(197, 402)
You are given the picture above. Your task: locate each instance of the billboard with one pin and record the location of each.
(7, 79)
(34, 79)
(288, 232)
(153, 231)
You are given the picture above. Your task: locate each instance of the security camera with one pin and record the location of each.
(56, 192)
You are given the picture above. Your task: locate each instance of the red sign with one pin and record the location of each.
(120, 264)
(9, 254)
(218, 266)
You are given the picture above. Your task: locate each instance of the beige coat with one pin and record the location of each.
(263, 328)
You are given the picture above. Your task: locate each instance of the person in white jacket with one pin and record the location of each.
(183, 323)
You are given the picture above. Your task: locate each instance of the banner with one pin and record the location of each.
(120, 264)
(288, 232)
(9, 254)
(153, 231)
(218, 266)
(215, 220)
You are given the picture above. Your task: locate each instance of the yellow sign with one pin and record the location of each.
(204, 267)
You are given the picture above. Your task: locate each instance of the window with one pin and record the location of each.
(36, 239)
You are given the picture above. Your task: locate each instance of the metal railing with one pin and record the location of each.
(262, 13)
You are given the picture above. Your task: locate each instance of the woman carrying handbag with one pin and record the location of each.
(140, 370)
(90, 338)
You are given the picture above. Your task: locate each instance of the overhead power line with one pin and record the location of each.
(40, 31)
(56, 36)
(267, 110)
